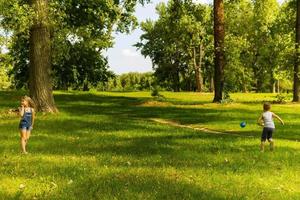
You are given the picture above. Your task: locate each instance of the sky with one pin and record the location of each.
(123, 57)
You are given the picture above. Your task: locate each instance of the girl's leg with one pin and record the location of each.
(28, 133)
(23, 140)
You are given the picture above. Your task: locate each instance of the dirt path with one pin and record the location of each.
(202, 129)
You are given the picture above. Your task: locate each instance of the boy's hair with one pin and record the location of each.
(29, 100)
(267, 106)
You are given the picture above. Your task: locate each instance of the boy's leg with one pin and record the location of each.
(270, 139)
(271, 145)
(23, 140)
(263, 139)
(262, 146)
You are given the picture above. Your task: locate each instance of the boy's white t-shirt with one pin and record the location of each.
(268, 119)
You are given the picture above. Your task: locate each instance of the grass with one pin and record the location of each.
(105, 146)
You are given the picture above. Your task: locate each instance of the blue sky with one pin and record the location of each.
(123, 57)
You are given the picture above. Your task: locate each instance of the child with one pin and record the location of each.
(266, 120)
(27, 120)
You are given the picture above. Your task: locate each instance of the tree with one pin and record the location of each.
(263, 54)
(176, 44)
(84, 66)
(219, 36)
(42, 22)
(296, 88)
(238, 21)
(197, 67)
(40, 82)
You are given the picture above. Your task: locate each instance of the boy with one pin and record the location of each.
(266, 120)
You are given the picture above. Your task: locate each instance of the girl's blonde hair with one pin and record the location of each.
(29, 100)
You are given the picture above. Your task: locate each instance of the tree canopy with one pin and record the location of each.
(259, 44)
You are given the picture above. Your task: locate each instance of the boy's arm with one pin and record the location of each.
(277, 117)
(260, 119)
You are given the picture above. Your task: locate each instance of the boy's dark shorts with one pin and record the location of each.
(267, 134)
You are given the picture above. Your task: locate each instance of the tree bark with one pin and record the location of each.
(296, 88)
(40, 83)
(211, 84)
(176, 75)
(86, 87)
(273, 84)
(197, 68)
(219, 35)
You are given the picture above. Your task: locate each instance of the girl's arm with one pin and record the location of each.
(21, 111)
(277, 117)
(260, 120)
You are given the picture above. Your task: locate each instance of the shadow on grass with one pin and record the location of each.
(128, 185)
(121, 107)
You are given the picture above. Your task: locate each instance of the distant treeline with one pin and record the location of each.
(132, 81)
(135, 81)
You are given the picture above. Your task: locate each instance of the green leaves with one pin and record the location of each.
(169, 41)
(16, 15)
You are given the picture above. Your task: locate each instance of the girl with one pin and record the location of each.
(27, 120)
(266, 120)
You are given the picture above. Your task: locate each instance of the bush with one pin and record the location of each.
(226, 96)
(155, 92)
(281, 98)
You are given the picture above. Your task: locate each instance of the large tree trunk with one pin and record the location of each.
(296, 89)
(40, 83)
(219, 35)
(197, 67)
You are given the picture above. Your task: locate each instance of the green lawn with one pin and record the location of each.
(106, 146)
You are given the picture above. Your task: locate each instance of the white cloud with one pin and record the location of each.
(203, 1)
(129, 53)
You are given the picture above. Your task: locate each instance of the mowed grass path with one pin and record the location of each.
(105, 146)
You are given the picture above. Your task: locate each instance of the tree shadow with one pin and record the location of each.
(117, 107)
(129, 185)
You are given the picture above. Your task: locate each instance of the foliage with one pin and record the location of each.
(82, 67)
(132, 81)
(281, 98)
(80, 31)
(259, 44)
(5, 81)
(169, 42)
(155, 93)
(226, 94)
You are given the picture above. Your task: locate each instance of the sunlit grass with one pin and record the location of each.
(105, 146)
